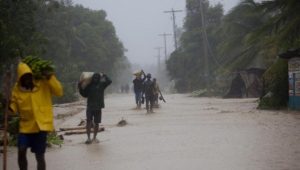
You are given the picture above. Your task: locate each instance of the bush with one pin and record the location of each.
(275, 88)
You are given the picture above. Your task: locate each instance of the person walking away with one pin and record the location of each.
(156, 92)
(94, 92)
(32, 100)
(149, 93)
(138, 88)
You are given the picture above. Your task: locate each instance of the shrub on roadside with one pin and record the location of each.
(275, 81)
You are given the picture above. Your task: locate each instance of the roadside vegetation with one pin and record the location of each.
(214, 46)
(72, 38)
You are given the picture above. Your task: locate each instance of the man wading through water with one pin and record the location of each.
(94, 92)
(31, 99)
(149, 92)
(138, 88)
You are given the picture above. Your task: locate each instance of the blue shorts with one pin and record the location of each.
(36, 141)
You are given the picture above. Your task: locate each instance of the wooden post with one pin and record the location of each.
(7, 90)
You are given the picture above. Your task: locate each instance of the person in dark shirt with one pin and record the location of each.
(149, 91)
(94, 92)
(138, 88)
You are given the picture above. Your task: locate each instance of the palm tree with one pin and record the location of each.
(284, 22)
(234, 50)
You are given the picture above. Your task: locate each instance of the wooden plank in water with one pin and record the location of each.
(74, 128)
(78, 132)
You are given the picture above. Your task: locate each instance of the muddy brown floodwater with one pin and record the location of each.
(184, 134)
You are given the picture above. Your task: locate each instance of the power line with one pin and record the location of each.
(165, 44)
(174, 25)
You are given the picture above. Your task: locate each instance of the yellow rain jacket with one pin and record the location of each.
(35, 107)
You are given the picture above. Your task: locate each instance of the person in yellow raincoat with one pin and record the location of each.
(32, 100)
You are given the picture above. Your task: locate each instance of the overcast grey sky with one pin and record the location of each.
(139, 22)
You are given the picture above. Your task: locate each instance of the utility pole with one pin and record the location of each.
(165, 44)
(174, 25)
(158, 57)
(204, 40)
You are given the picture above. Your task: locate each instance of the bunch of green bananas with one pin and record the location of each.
(40, 68)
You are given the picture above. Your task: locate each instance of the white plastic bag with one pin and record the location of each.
(85, 78)
(137, 73)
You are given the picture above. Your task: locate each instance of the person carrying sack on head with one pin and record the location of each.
(32, 100)
(138, 88)
(94, 92)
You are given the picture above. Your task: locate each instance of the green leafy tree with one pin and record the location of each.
(283, 24)
(75, 38)
(80, 39)
(18, 36)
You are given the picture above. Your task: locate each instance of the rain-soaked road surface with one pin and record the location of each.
(184, 134)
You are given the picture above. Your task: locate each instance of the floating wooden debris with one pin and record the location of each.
(75, 128)
(122, 122)
(78, 132)
(72, 128)
(82, 123)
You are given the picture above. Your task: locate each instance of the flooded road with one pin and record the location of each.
(185, 133)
